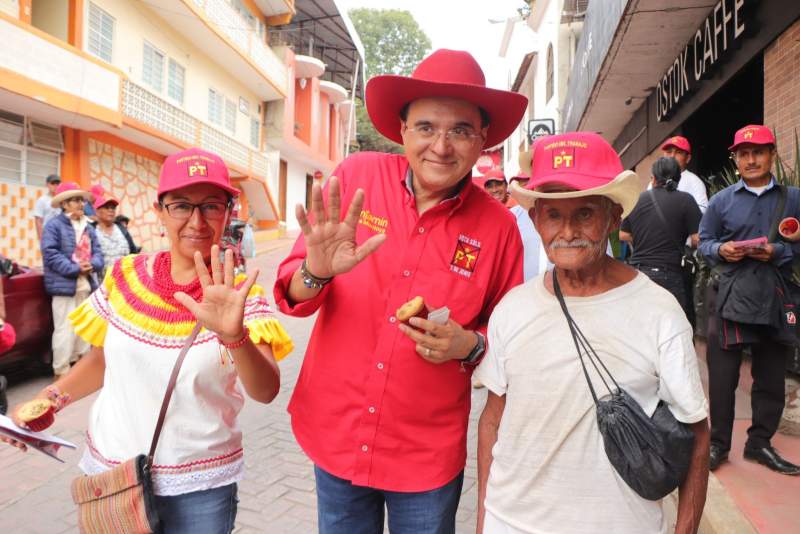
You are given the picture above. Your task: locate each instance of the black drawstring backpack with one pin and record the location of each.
(651, 454)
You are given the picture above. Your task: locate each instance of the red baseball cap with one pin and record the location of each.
(755, 134)
(444, 73)
(584, 164)
(191, 167)
(679, 142)
(491, 175)
(101, 201)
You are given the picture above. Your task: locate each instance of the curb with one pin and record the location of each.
(720, 515)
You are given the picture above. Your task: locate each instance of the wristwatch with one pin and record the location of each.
(311, 281)
(477, 351)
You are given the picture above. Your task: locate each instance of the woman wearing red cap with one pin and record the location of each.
(137, 323)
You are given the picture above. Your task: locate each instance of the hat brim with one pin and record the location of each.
(734, 146)
(107, 200)
(624, 190)
(386, 95)
(64, 195)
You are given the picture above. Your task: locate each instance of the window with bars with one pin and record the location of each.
(254, 127)
(20, 162)
(230, 116)
(175, 82)
(153, 67)
(216, 103)
(101, 33)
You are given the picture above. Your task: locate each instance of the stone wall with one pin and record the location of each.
(133, 180)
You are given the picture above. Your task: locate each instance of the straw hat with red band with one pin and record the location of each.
(679, 142)
(444, 73)
(754, 134)
(67, 190)
(584, 164)
(194, 166)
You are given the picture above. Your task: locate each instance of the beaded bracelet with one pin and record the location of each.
(236, 344)
(54, 395)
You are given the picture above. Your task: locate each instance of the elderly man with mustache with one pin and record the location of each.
(542, 466)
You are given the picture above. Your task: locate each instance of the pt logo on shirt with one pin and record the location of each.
(465, 256)
(563, 158)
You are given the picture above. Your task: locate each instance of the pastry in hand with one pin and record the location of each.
(37, 414)
(413, 308)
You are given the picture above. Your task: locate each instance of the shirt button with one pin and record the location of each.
(421, 230)
(371, 409)
(406, 273)
(392, 319)
(380, 365)
(364, 448)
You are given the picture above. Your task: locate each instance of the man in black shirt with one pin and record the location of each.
(658, 227)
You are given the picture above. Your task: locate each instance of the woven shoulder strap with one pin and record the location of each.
(173, 378)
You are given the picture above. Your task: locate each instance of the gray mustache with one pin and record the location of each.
(577, 243)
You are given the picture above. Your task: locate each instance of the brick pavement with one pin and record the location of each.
(277, 495)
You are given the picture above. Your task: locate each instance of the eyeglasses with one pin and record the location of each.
(212, 211)
(459, 135)
(76, 199)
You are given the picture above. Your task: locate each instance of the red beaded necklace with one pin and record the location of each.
(162, 279)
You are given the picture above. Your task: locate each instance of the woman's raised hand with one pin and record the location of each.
(222, 309)
(331, 247)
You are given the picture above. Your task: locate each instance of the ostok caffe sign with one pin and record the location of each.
(718, 34)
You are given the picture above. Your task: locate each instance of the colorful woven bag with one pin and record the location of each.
(122, 499)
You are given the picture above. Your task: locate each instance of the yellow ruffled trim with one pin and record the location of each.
(88, 324)
(269, 330)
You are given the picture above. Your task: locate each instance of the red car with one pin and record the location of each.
(28, 310)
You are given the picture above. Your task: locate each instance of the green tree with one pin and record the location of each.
(393, 44)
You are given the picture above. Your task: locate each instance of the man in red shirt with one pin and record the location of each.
(382, 407)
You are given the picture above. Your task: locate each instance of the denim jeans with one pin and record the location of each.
(199, 512)
(343, 508)
(671, 280)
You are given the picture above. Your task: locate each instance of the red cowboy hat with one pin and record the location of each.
(444, 73)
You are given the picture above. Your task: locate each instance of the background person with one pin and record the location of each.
(657, 244)
(113, 242)
(122, 221)
(43, 211)
(72, 258)
(136, 336)
(743, 211)
(678, 148)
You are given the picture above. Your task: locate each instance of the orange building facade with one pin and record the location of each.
(101, 91)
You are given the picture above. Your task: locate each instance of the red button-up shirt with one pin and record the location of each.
(367, 408)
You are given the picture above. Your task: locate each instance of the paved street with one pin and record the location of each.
(277, 495)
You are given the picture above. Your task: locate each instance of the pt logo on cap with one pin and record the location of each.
(199, 169)
(564, 158)
(748, 134)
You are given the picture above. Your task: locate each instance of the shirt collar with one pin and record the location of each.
(458, 195)
(738, 186)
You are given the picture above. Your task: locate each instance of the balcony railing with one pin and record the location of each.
(239, 31)
(140, 104)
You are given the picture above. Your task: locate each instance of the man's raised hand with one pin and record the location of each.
(331, 247)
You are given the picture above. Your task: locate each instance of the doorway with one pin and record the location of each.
(711, 128)
(282, 177)
(309, 186)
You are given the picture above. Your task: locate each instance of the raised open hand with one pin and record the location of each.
(222, 309)
(331, 247)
